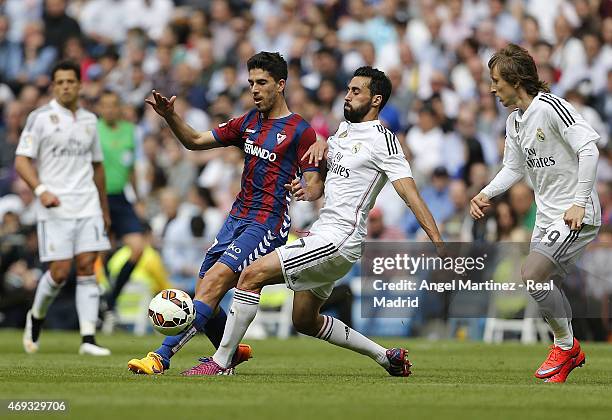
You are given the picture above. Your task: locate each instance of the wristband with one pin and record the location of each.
(40, 190)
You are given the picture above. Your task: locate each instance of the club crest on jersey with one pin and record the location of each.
(356, 148)
(540, 134)
(280, 137)
(54, 118)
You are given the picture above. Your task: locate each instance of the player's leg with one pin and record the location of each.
(55, 246)
(90, 239)
(264, 271)
(88, 303)
(552, 253)
(127, 227)
(47, 290)
(209, 292)
(308, 320)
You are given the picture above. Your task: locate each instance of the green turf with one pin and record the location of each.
(305, 378)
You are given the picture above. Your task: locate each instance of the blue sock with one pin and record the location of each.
(215, 327)
(173, 344)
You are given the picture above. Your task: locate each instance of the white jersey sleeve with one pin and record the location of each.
(513, 157)
(388, 157)
(572, 127)
(29, 141)
(96, 149)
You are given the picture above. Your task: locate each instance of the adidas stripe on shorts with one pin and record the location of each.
(562, 245)
(312, 263)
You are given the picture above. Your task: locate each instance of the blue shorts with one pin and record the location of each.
(242, 241)
(123, 217)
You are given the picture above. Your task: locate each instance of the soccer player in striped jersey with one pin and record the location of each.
(274, 141)
(361, 157)
(549, 140)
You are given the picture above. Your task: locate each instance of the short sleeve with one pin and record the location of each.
(307, 139)
(570, 125)
(388, 157)
(230, 133)
(513, 158)
(96, 148)
(29, 141)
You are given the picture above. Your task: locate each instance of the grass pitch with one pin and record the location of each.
(304, 378)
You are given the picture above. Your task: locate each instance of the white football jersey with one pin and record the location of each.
(544, 141)
(64, 145)
(360, 160)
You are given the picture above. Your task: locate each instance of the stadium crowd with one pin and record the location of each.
(434, 51)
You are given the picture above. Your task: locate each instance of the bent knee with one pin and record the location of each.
(250, 278)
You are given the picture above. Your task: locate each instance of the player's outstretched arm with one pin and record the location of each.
(26, 170)
(190, 138)
(504, 179)
(310, 189)
(406, 188)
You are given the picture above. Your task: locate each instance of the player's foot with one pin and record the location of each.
(243, 354)
(557, 357)
(108, 323)
(399, 365)
(29, 345)
(151, 364)
(93, 350)
(571, 364)
(208, 367)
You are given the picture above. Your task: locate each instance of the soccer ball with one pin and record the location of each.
(171, 311)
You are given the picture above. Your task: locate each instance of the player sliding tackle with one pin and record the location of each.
(362, 156)
(547, 137)
(274, 140)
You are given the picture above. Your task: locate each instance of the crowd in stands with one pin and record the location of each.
(435, 52)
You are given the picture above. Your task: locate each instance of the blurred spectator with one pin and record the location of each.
(378, 230)
(523, 204)
(36, 59)
(10, 54)
(425, 142)
(508, 229)
(103, 21)
(58, 25)
(188, 236)
(437, 198)
(9, 138)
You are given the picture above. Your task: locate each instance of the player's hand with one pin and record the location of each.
(478, 205)
(162, 105)
(297, 190)
(316, 152)
(107, 222)
(48, 199)
(441, 249)
(573, 217)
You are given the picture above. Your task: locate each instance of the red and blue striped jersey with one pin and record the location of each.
(273, 156)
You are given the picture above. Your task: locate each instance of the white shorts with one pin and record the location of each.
(62, 239)
(562, 245)
(312, 263)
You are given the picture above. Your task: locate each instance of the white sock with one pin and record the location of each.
(241, 314)
(552, 305)
(46, 292)
(87, 302)
(337, 332)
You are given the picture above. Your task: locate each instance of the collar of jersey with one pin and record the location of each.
(57, 106)
(363, 125)
(521, 116)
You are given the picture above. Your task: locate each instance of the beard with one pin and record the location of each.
(355, 115)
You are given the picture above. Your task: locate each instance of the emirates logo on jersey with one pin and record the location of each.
(280, 137)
